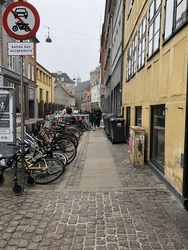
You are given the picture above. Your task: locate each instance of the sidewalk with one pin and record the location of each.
(101, 202)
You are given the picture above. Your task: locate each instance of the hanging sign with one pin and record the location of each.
(21, 20)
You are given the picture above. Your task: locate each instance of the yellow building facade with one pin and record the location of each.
(45, 89)
(154, 89)
(45, 81)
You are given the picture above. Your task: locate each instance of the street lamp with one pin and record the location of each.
(48, 39)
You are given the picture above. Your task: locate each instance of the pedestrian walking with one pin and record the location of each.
(92, 118)
(64, 111)
(98, 114)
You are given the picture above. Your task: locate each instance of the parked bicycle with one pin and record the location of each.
(41, 170)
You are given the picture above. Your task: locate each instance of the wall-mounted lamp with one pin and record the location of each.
(48, 39)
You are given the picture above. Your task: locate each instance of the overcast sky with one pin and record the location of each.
(75, 28)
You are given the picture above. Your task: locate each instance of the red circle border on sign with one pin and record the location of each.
(33, 10)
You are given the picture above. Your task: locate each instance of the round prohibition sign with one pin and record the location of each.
(21, 20)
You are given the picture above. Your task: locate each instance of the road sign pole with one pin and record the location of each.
(22, 118)
(21, 21)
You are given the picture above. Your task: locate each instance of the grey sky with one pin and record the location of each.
(75, 29)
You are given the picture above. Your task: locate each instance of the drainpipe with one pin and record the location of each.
(111, 42)
(122, 53)
(185, 165)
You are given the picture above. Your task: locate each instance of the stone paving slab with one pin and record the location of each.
(140, 215)
(87, 220)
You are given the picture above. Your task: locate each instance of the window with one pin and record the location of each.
(129, 53)
(134, 55)
(40, 95)
(142, 43)
(32, 73)
(29, 71)
(11, 84)
(130, 6)
(154, 26)
(138, 117)
(23, 66)
(11, 62)
(22, 97)
(175, 16)
(47, 96)
(131, 58)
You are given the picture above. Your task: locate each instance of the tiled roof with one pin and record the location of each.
(82, 86)
(64, 76)
(58, 84)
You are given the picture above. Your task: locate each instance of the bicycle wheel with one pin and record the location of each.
(75, 130)
(61, 156)
(67, 147)
(47, 170)
(70, 136)
(84, 126)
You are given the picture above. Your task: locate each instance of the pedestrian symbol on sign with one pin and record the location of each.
(2, 107)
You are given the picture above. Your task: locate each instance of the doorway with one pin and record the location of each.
(158, 136)
(128, 118)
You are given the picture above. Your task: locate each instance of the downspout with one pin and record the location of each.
(111, 41)
(185, 165)
(122, 55)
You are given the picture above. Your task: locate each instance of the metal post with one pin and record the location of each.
(22, 117)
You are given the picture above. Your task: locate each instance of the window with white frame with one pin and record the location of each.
(142, 43)
(11, 62)
(22, 66)
(130, 6)
(29, 70)
(175, 16)
(134, 54)
(132, 58)
(129, 56)
(154, 26)
(32, 73)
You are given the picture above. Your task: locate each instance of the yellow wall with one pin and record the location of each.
(162, 80)
(45, 81)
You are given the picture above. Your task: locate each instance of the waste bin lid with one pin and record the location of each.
(116, 119)
(110, 116)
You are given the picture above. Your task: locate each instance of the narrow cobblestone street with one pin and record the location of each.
(135, 211)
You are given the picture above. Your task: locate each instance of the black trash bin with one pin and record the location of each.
(117, 130)
(107, 123)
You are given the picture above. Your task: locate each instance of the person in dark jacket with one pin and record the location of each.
(92, 119)
(98, 114)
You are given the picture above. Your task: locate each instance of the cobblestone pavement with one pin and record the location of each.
(142, 215)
